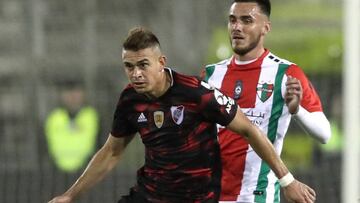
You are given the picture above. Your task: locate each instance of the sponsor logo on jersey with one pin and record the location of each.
(257, 118)
(159, 118)
(224, 100)
(258, 192)
(237, 89)
(177, 113)
(142, 118)
(264, 91)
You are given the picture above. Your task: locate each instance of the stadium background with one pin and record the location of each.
(46, 42)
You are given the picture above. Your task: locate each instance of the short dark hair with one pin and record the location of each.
(140, 38)
(264, 5)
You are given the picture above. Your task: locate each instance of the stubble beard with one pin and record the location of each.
(244, 50)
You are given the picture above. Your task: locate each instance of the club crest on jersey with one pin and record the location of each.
(238, 89)
(264, 91)
(159, 118)
(177, 114)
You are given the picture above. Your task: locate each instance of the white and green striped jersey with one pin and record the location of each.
(258, 87)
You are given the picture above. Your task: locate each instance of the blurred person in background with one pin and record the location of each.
(176, 117)
(71, 129)
(270, 91)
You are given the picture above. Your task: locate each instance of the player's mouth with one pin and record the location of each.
(138, 84)
(237, 37)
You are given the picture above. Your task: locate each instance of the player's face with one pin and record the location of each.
(144, 69)
(247, 26)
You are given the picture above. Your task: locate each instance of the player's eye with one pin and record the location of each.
(143, 65)
(129, 66)
(247, 20)
(232, 19)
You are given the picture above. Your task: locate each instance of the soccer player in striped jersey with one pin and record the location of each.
(270, 91)
(176, 117)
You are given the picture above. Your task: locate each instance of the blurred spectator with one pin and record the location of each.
(71, 129)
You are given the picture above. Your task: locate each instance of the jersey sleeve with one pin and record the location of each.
(311, 100)
(216, 107)
(121, 126)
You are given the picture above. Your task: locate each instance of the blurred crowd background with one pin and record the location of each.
(50, 46)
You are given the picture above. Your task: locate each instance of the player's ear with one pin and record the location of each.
(266, 27)
(162, 60)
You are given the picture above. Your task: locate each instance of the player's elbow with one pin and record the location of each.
(325, 139)
(326, 134)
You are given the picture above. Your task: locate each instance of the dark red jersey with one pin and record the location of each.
(182, 162)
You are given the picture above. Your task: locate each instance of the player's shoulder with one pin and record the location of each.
(127, 89)
(292, 69)
(127, 93)
(273, 58)
(224, 62)
(186, 80)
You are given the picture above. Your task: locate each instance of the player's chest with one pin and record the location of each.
(250, 87)
(159, 116)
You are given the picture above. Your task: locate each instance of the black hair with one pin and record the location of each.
(264, 5)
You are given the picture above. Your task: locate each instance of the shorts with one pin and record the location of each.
(137, 197)
(133, 197)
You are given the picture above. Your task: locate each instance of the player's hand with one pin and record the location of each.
(61, 199)
(293, 94)
(298, 192)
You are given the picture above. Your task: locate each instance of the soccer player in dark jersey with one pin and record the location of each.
(176, 117)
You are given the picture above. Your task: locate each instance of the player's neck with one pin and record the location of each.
(251, 55)
(163, 86)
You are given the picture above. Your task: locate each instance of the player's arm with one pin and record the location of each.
(99, 166)
(259, 142)
(305, 106)
(294, 190)
(314, 123)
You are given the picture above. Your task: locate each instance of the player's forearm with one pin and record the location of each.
(314, 123)
(259, 142)
(266, 151)
(100, 165)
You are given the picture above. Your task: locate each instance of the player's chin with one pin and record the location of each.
(240, 49)
(140, 90)
(139, 86)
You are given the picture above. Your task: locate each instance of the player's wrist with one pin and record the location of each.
(295, 111)
(300, 112)
(286, 180)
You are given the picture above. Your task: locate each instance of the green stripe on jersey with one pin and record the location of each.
(209, 70)
(276, 111)
(277, 192)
